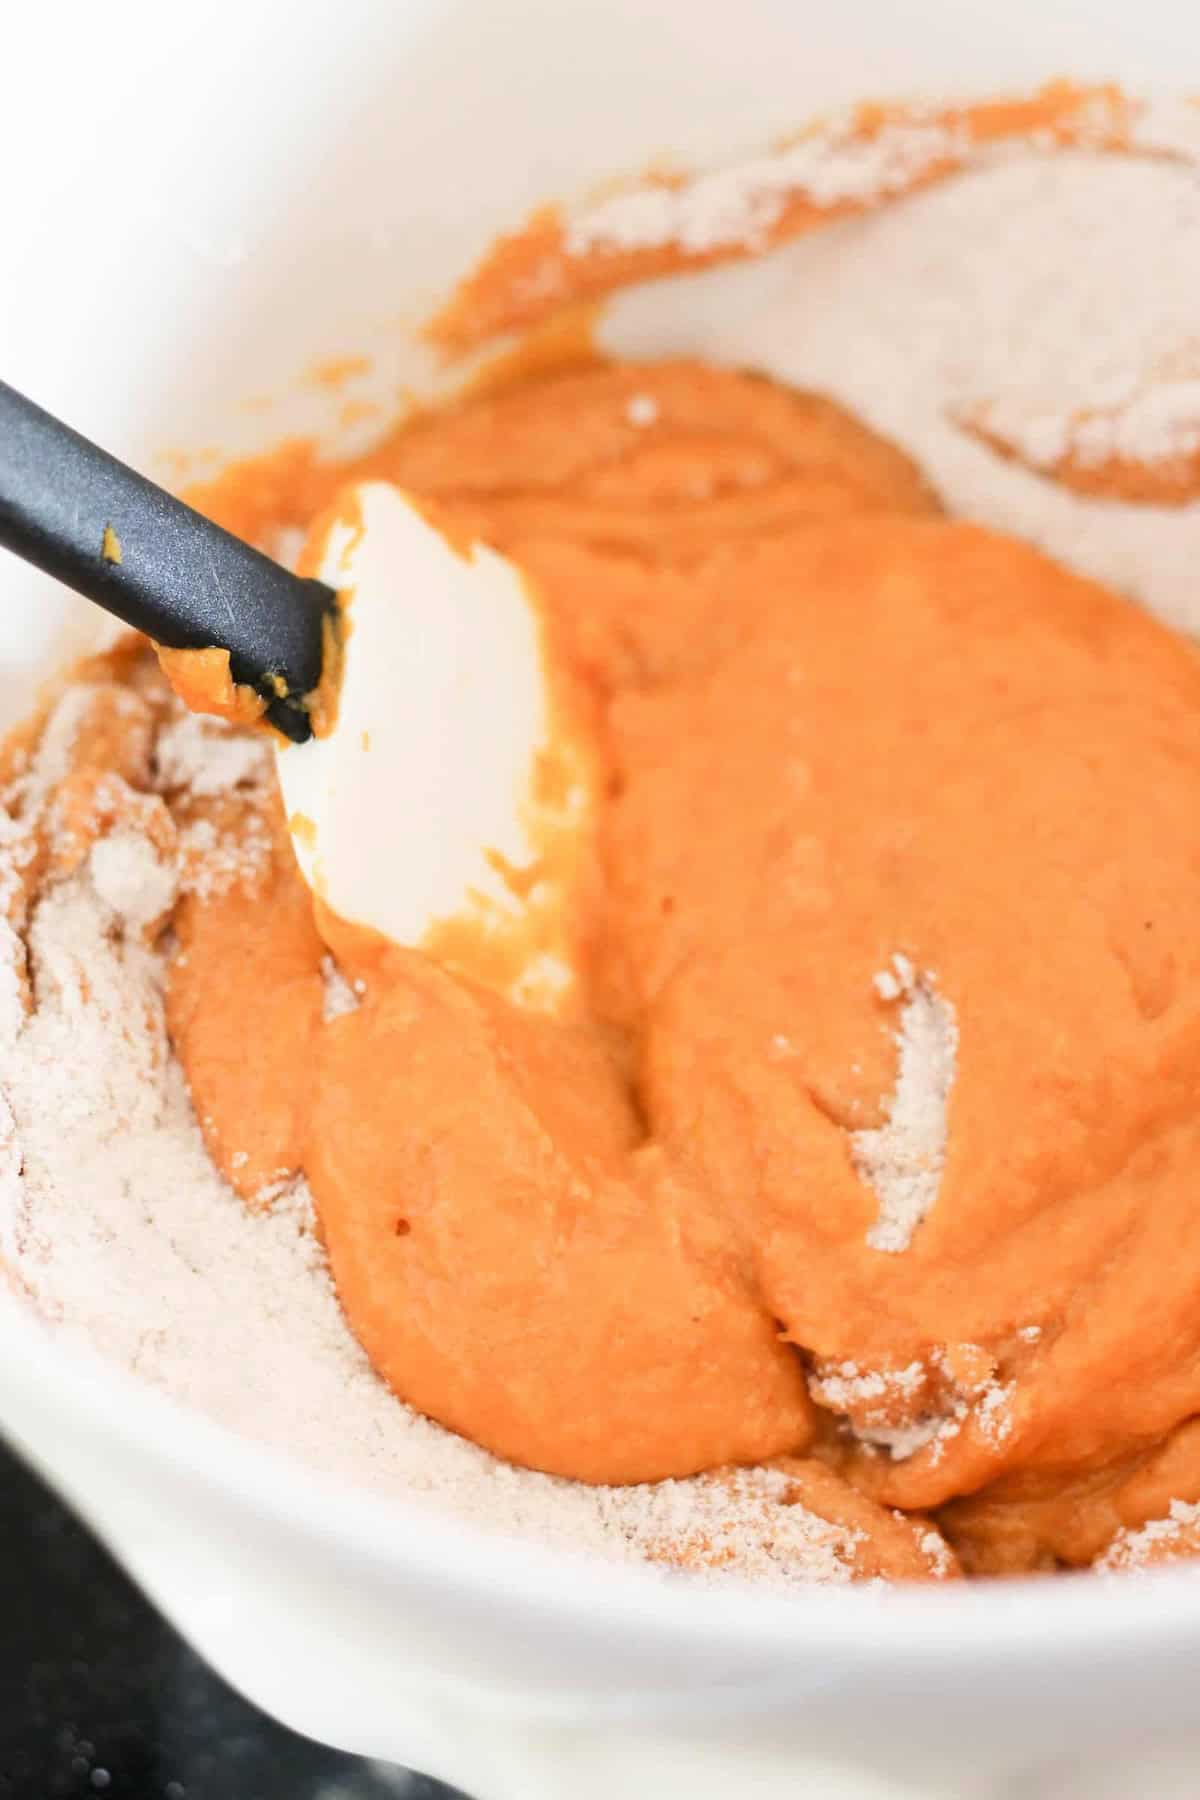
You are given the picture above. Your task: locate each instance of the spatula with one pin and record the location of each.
(429, 787)
(92, 522)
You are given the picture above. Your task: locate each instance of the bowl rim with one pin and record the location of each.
(406, 1541)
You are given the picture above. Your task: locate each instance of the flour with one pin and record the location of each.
(738, 205)
(902, 1158)
(1046, 297)
(206, 756)
(921, 1406)
(130, 879)
(1154, 1541)
(840, 1386)
(1168, 126)
(118, 1230)
(837, 163)
(745, 1521)
(883, 1407)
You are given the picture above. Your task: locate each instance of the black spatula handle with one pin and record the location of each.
(82, 516)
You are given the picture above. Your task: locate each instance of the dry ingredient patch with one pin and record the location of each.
(902, 1159)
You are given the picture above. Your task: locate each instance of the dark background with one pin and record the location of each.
(98, 1696)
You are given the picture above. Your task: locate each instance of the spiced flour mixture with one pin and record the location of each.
(837, 1222)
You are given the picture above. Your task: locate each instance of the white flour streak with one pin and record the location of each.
(902, 1159)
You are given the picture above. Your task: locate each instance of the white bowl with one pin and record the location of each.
(197, 201)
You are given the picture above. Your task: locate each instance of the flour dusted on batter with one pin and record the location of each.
(1044, 299)
(902, 1158)
(1158, 1541)
(116, 1226)
(747, 1521)
(740, 204)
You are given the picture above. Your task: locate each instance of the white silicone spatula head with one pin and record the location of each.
(428, 802)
